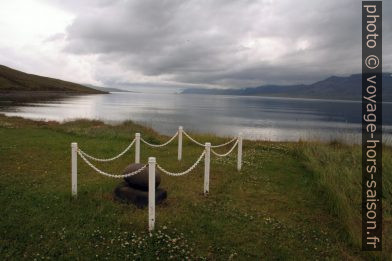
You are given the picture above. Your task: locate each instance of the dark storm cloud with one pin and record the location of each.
(227, 43)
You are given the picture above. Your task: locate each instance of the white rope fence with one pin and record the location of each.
(212, 146)
(159, 145)
(224, 144)
(177, 174)
(178, 134)
(108, 174)
(109, 159)
(152, 164)
(227, 153)
(193, 140)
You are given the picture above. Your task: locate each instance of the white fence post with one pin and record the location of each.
(74, 167)
(207, 168)
(239, 155)
(151, 193)
(137, 148)
(180, 129)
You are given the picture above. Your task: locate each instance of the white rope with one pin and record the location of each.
(227, 153)
(224, 144)
(195, 141)
(212, 146)
(160, 145)
(184, 172)
(109, 159)
(108, 174)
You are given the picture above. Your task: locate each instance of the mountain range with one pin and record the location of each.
(14, 83)
(334, 87)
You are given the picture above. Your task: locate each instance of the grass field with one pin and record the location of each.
(291, 201)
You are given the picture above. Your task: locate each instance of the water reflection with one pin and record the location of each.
(257, 117)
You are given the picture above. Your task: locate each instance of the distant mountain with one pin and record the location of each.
(14, 81)
(342, 88)
(106, 89)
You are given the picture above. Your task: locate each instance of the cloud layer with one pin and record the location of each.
(216, 43)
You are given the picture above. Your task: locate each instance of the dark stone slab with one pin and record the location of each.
(140, 180)
(123, 192)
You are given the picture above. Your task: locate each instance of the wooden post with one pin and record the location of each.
(207, 168)
(74, 169)
(137, 148)
(239, 155)
(151, 193)
(180, 129)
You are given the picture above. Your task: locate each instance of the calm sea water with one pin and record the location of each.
(277, 119)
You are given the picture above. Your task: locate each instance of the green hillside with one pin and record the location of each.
(16, 81)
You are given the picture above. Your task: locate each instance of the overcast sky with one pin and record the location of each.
(181, 43)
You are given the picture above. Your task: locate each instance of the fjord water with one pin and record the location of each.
(276, 119)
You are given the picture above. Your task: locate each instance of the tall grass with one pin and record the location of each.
(336, 170)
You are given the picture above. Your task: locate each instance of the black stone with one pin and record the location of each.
(123, 192)
(140, 180)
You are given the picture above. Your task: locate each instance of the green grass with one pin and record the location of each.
(283, 205)
(337, 173)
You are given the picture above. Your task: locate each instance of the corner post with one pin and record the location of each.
(239, 155)
(207, 168)
(180, 130)
(151, 193)
(74, 169)
(137, 148)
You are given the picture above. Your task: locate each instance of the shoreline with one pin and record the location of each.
(115, 124)
(19, 97)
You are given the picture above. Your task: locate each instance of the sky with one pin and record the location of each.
(181, 44)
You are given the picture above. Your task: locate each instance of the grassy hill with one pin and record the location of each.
(291, 201)
(14, 81)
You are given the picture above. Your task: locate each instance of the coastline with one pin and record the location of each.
(18, 97)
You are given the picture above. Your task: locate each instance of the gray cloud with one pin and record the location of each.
(225, 43)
